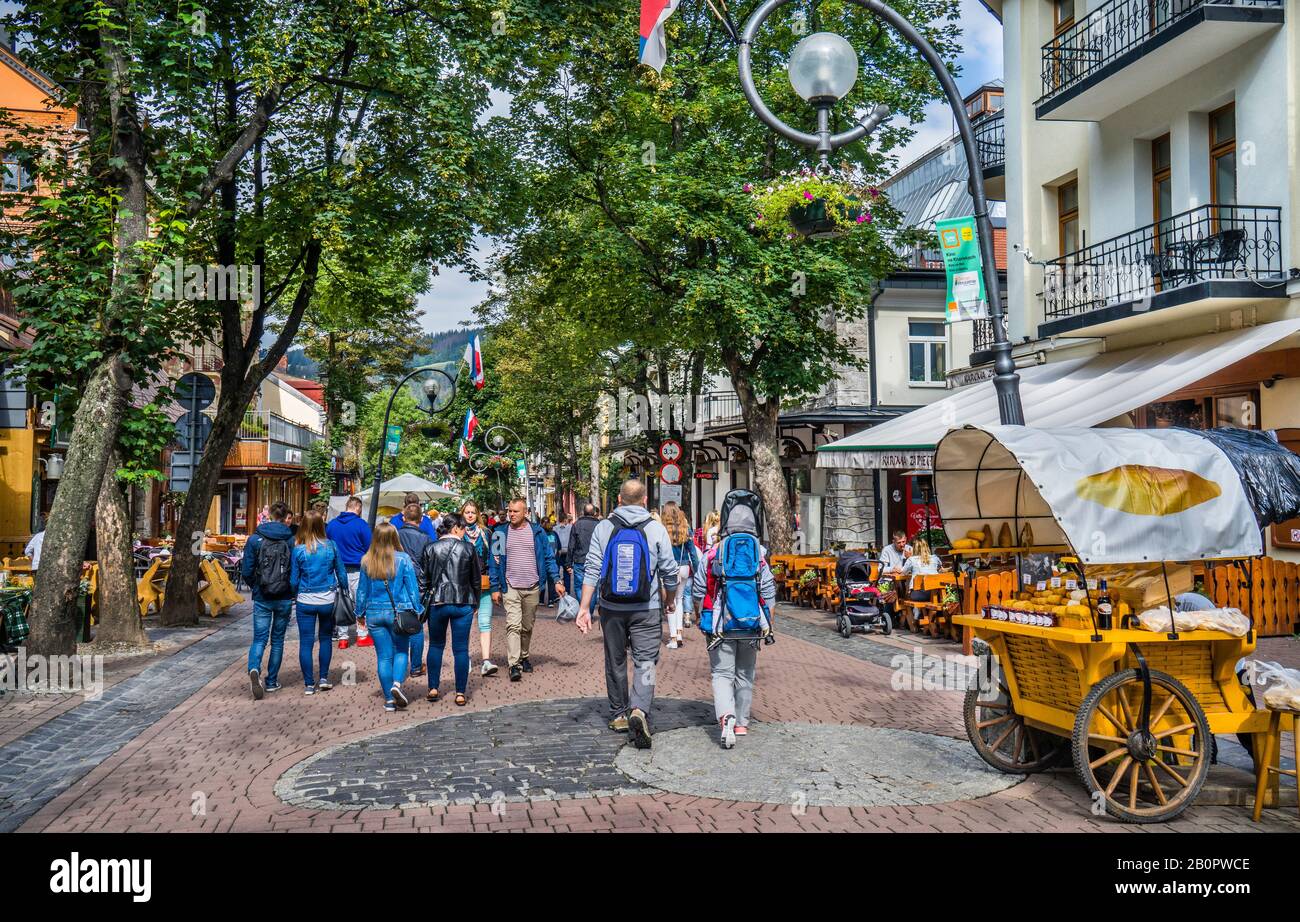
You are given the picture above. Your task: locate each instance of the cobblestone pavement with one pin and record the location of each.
(72, 734)
(213, 761)
(541, 749)
(804, 765)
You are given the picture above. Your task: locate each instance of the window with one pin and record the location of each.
(1161, 193)
(1241, 410)
(927, 344)
(1223, 155)
(938, 204)
(1062, 15)
(1067, 217)
(15, 173)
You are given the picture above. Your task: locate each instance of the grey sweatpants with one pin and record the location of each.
(641, 631)
(733, 663)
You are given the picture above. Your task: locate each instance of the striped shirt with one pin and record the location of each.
(521, 557)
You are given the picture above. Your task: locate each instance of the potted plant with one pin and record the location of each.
(805, 203)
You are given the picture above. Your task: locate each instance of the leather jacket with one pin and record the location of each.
(451, 572)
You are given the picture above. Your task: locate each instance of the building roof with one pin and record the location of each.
(307, 387)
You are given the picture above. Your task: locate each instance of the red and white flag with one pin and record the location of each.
(654, 47)
(464, 452)
(474, 359)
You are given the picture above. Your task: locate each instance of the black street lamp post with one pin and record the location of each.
(823, 68)
(497, 443)
(433, 391)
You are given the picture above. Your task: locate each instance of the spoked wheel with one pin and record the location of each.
(1141, 776)
(1000, 735)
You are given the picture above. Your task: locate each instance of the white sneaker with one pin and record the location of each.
(672, 645)
(728, 732)
(488, 668)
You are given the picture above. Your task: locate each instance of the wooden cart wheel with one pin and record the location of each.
(1141, 777)
(1000, 735)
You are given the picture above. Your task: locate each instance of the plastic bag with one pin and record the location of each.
(1269, 471)
(1229, 620)
(1274, 686)
(567, 610)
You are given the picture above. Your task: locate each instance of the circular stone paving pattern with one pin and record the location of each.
(816, 765)
(550, 750)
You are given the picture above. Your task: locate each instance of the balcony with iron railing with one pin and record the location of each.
(267, 439)
(1151, 41)
(1214, 251)
(990, 143)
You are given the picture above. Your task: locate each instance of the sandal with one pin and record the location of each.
(432, 696)
(461, 700)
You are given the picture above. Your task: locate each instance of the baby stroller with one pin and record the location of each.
(860, 606)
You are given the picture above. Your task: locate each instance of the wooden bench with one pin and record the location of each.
(150, 589)
(931, 616)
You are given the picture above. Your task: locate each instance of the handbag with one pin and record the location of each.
(344, 612)
(406, 621)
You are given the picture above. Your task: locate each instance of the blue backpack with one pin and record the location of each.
(625, 568)
(737, 605)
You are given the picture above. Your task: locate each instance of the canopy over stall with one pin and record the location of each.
(1080, 393)
(1115, 496)
(392, 492)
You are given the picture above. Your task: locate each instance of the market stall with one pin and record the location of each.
(1091, 651)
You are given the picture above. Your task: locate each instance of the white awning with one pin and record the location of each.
(1075, 393)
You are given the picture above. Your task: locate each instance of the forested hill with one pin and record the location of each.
(444, 347)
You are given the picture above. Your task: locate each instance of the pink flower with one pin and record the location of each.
(874, 192)
(862, 218)
(748, 187)
(807, 195)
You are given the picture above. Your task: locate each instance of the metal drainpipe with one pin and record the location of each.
(877, 505)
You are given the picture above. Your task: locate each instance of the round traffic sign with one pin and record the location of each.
(670, 450)
(670, 473)
(195, 391)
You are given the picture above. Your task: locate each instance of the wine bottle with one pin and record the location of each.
(1105, 609)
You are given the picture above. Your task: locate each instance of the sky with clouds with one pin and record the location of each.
(452, 296)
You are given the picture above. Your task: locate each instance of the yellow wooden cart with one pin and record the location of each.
(1136, 709)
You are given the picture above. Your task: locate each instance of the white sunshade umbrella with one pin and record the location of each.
(392, 492)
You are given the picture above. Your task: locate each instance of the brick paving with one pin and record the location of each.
(212, 760)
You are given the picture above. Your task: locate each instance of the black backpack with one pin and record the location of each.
(272, 568)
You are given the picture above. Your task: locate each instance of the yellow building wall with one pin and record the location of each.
(17, 465)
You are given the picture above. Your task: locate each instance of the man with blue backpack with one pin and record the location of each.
(735, 597)
(630, 564)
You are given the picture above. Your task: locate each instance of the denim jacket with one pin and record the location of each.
(372, 597)
(318, 572)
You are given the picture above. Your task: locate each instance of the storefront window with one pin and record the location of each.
(1239, 409)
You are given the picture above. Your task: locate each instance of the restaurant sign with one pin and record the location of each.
(906, 459)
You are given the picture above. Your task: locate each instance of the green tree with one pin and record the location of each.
(634, 211)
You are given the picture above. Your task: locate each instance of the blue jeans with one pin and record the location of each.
(315, 624)
(485, 613)
(417, 649)
(579, 575)
(270, 620)
(392, 651)
(460, 617)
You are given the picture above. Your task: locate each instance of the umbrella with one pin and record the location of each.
(392, 492)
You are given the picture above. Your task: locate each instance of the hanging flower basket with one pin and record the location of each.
(806, 204)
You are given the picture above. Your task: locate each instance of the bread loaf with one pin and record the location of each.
(1141, 490)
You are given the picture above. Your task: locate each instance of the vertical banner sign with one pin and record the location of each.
(960, 244)
(521, 471)
(392, 438)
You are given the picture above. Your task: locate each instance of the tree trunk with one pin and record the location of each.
(765, 457)
(595, 466)
(55, 611)
(181, 605)
(119, 615)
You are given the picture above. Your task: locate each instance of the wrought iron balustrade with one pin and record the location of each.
(990, 140)
(1110, 31)
(1210, 243)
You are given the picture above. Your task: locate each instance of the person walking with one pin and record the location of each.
(351, 536)
(425, 523)
(451, 571)
(317, 576)
(687, 557)
(563, 529)
(388, 583)
(411, 534)
(710, 530)
(580, 543)
(549, 596)
(33, 548)
(268, 558)
(733, 660)
(630, 561)
(520, 559)
(477, 536)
